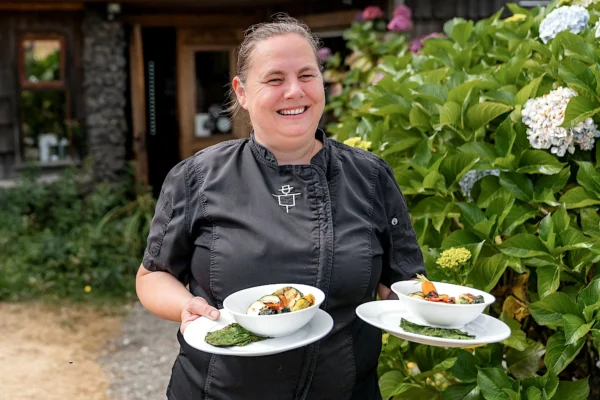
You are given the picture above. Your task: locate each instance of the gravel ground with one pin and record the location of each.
(139, 361)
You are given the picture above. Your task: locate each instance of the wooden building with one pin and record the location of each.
(142, 80)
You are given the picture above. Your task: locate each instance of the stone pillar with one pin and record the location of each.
(104, 88)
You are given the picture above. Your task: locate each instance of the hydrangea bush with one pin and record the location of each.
(492, 131)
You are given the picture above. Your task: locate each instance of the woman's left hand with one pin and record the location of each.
(385, 293)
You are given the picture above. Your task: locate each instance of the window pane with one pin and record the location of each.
(212, 85)
(45, 135)
(42, 60)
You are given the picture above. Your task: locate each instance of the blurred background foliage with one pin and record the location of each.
(452, 114)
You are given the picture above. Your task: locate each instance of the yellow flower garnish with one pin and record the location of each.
(516, 18)
(87, 288)
(358, 142)
(454, 257)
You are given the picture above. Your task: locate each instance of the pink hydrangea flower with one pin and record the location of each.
(324, 53)
(403, 10)
(400, 23)
(372, 12)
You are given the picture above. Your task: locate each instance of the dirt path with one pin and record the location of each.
(50, 352)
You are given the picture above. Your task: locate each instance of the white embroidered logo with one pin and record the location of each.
(287, 199)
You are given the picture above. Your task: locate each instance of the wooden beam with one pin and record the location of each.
(191, 20)
(41, 6)
(138, 105)
(332, 20)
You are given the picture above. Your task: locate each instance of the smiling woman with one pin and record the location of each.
(286, 205)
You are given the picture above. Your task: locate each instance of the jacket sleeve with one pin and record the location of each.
(402, 258)
(170, 244)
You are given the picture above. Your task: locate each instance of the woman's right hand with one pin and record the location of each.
(195, 308)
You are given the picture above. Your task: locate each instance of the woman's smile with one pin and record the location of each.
(293, 113)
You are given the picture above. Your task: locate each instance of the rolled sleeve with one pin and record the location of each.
(402, 255)
(170, 245)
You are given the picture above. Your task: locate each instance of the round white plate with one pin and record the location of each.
(387, 314)
(316, 329)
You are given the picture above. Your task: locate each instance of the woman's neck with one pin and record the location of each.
(294, 155)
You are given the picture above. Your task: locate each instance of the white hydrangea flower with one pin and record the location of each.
(543, 117)
(571, 18)
(597, 29)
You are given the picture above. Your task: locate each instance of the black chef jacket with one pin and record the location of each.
(230, 217)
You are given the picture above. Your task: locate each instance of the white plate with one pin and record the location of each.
(386, 315)
(316, 329)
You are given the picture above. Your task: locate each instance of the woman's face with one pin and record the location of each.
(283, 92)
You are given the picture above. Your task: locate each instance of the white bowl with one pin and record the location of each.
(271, 325)
(442, 314)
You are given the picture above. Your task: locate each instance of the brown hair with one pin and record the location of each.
(282, 24)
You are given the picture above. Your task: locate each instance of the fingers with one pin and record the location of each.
(199, 306)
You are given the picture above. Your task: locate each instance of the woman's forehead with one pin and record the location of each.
(283, 52)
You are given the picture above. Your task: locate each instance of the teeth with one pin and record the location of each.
(293, 112)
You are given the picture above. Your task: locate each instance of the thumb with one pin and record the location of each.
(199, 306)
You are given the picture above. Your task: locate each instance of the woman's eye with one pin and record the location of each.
(276, 80)
(306, 76)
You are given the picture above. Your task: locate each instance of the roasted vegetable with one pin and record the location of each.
(444, 333)
(427, 287)
(232, 335)
(418, 295)
(283, 300)
(468, 298)
(304, 302)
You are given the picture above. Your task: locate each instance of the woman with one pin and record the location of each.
(221, 225)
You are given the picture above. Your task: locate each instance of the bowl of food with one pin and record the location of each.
(274, 310)
(442, 304)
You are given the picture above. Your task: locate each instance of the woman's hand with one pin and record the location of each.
(195, 308)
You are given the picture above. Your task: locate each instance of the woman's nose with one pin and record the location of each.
(294, 90)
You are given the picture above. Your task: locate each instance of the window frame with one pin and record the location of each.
(24, 83)
(60, 85)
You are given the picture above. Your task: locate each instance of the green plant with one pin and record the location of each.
(62, 240)
(451, 120)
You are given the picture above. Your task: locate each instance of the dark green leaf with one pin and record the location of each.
(590, 221)
(523, 245)
(460, 92)
(450, 113)
(577, 198)
(575, 328)
(523, 364)
(460, 238)
(519, 185)
(418, 118)
(559, 354)
(591, 294)
(517, 339)
(461, 32)
(482, 113)
(516, 216)
(578, 109)
(533, 393)
(455, 166)
(572, 390)
(588, 177)
(465, 368)
(487, 272)
(391, 384)
(505, 137)
(471, 213)
(491, 381)
(462, 391)
(550, 310)
(554, 182)
(560, 219)
(548, 280)
(547, 383)
(539, 162)
(546, 227)
(571, 239)
(528, 91)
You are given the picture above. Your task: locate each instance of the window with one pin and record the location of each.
(46, 134)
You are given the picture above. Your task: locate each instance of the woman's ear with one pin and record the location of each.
(240, 92)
